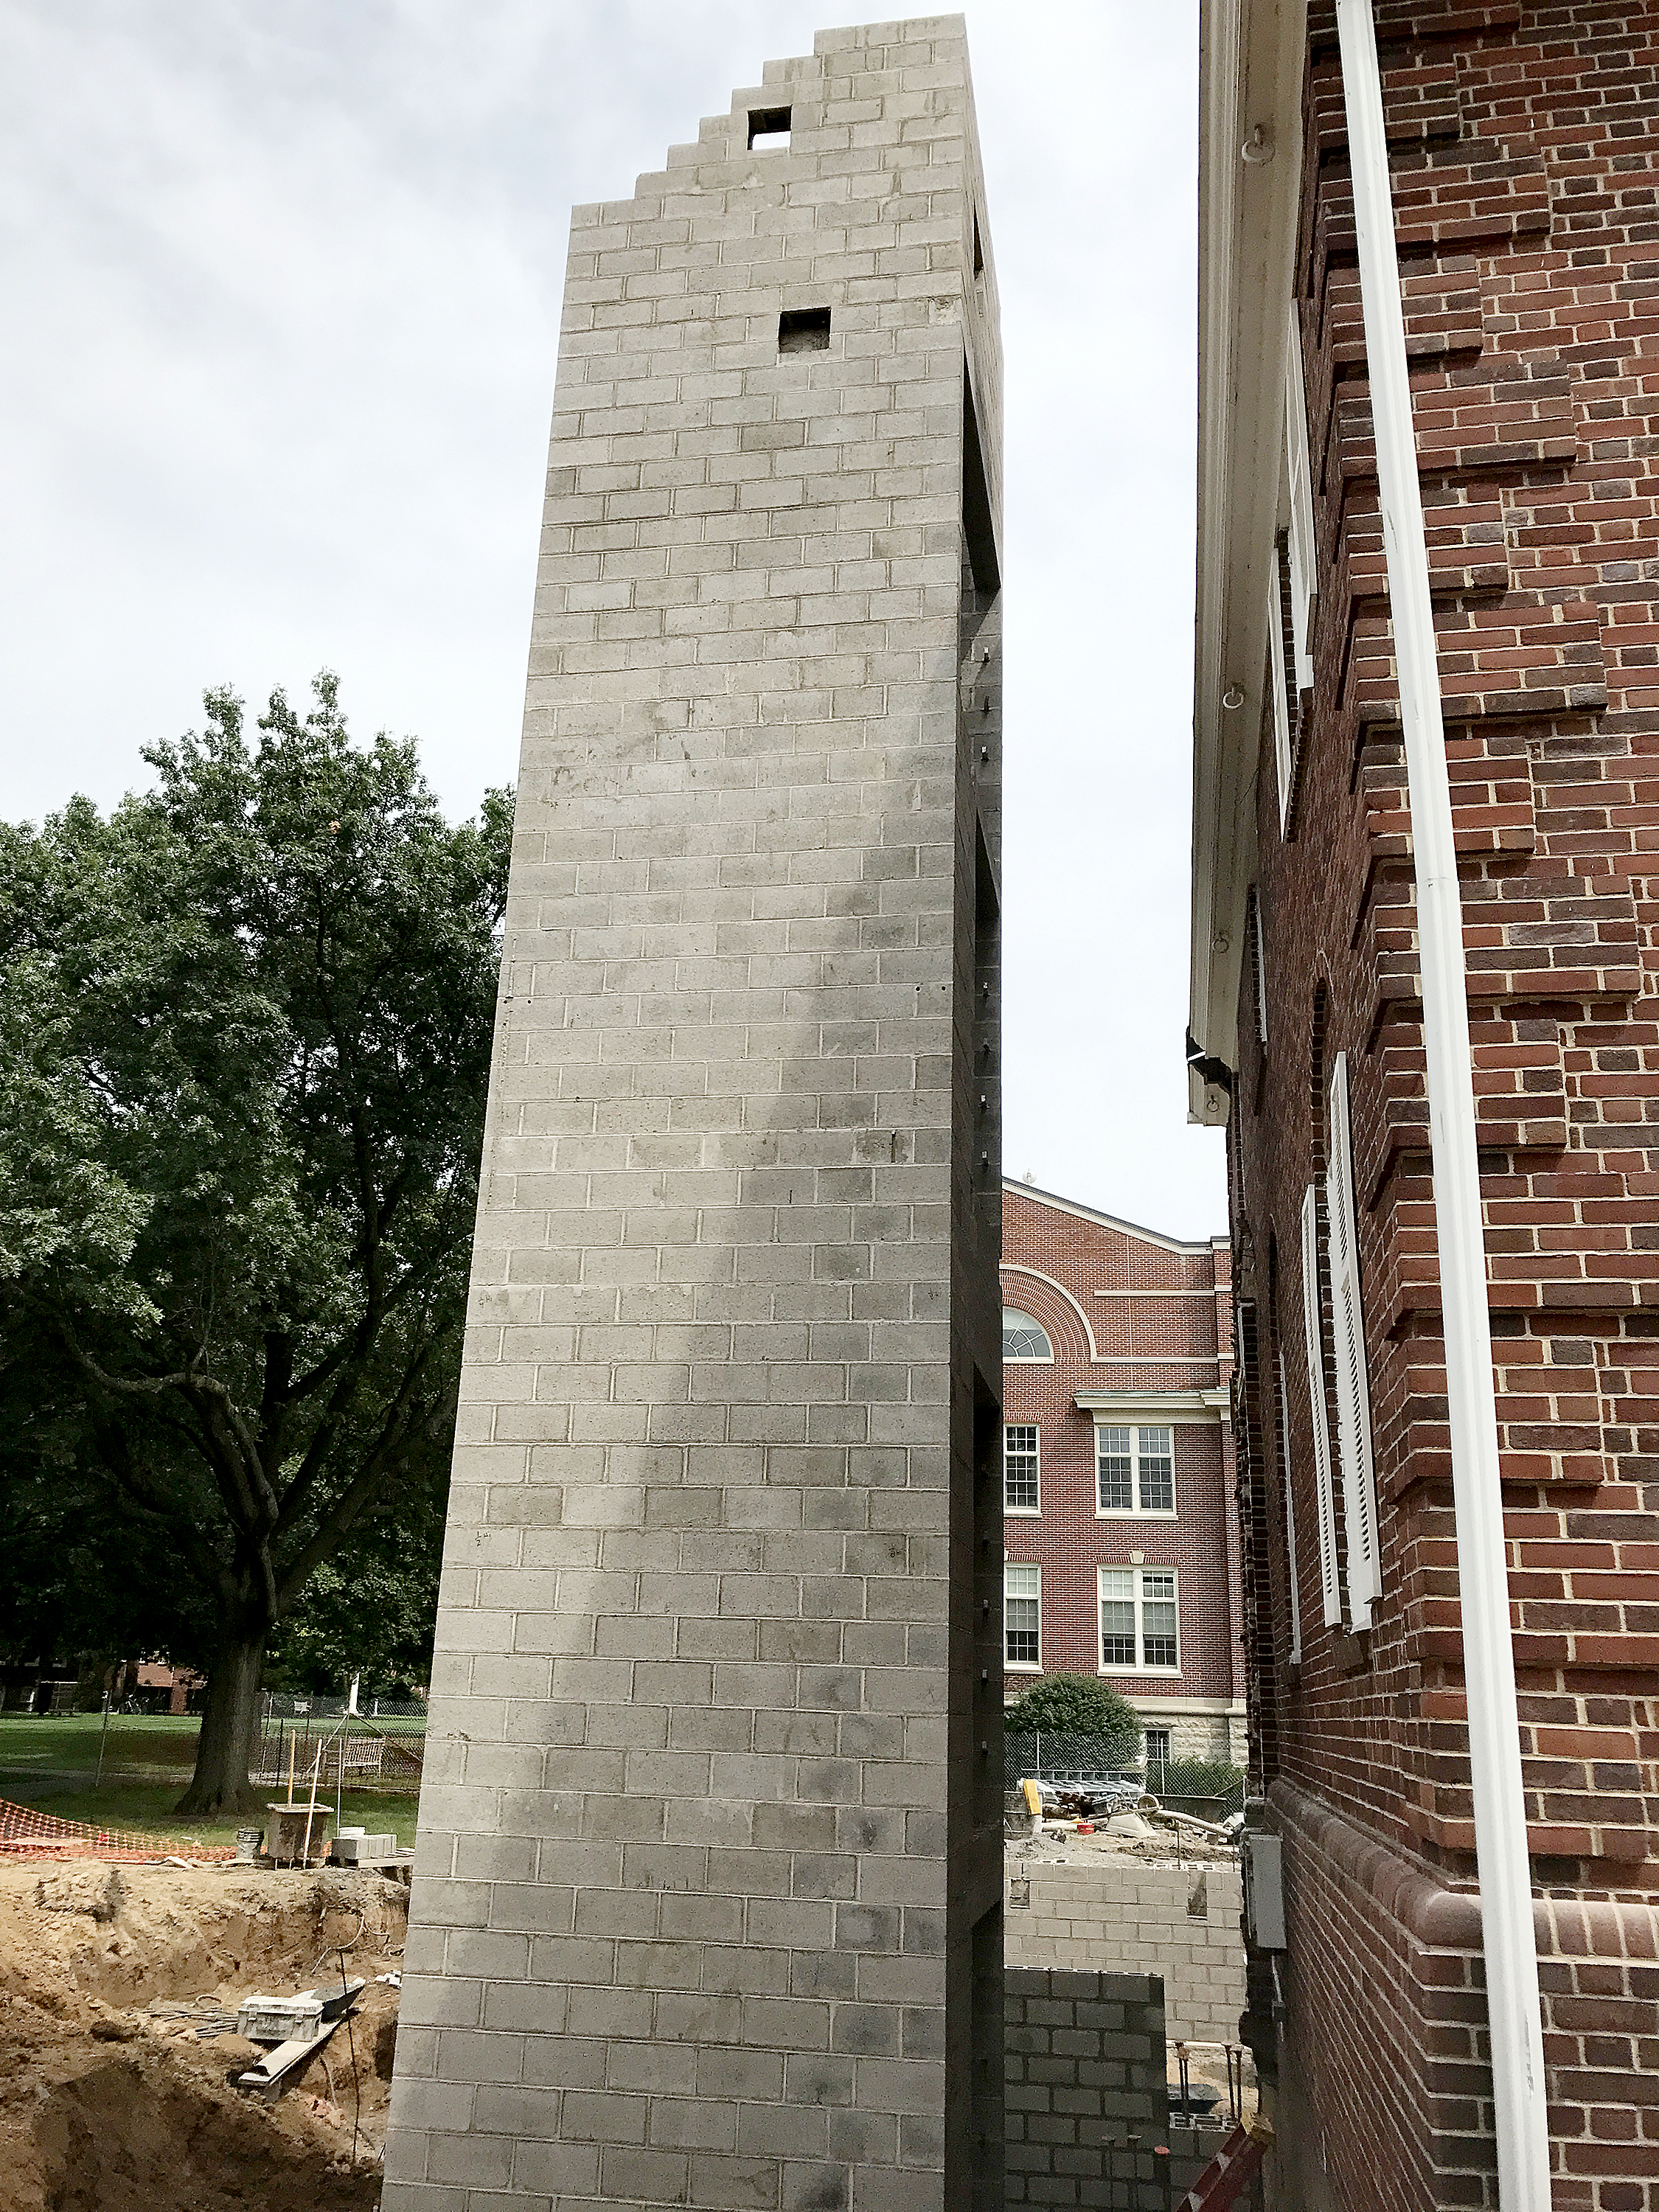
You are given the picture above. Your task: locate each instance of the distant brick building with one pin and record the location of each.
(1521, 148)
(1120, 1539)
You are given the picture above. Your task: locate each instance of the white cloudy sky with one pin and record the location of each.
(282, 282)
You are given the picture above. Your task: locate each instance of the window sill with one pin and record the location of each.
(1137, 1513)
(1023, 1512)
(1022, 1665)
(1159, 1673)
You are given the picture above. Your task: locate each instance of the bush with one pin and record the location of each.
(1197, 1777)
(1077, 1704)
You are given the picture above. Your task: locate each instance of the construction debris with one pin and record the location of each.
(206, 2015)
(94, 1890)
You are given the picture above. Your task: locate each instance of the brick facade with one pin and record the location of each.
(1139, 1327)
(1524, 146)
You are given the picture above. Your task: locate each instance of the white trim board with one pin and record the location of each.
(1251, 65)
(1015, 1189)
(1166, 1405)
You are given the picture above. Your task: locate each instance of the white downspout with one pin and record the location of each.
(1500, 1820)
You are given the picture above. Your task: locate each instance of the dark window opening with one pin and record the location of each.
(804, 330)
(769, 129)
(977, 525)
(978, 250)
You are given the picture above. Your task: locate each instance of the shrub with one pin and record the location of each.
(1079, 1704)
(1197, 1777)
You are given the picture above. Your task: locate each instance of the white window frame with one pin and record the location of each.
(1137, 1512)
(1022, 1567)
(1138, 1576)
(1288, 1487)
(1259, 942)
(1353, 1396)
(1029, 1359)
(1027, 1512)
(1314, 1333)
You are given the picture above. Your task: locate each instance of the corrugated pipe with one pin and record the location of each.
(1500, 1820)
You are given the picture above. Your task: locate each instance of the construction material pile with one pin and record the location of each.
(124, 2078)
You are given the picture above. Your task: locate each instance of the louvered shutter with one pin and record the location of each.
(1290, 1511)
(1282, 753)
(1259, 953)
(1329, 1586)
(1303, 556)
(1353, 1397)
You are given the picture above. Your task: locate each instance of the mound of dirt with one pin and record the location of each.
(108, 2106)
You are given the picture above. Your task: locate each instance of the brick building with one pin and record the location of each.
(1519, 147)
(1119, 1542)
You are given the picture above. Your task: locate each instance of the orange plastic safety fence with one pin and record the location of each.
(26, 1833)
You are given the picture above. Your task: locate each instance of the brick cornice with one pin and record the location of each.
(1444, 1920)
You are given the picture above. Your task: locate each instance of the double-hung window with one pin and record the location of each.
(1022, 1616)
(1021, 1483)
(1138, 1624)
(1134, 1469)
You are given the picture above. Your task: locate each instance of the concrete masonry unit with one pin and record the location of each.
(707, 1904)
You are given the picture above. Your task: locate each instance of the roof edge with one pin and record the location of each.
(1202, 1244)
(1252, 56)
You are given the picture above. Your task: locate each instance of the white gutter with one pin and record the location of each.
(1500, 1820)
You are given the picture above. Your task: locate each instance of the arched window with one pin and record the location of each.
(1024, 1337)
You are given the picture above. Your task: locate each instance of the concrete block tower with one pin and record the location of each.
(708, 1905)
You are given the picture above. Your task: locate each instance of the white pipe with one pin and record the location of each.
(1500, 1820)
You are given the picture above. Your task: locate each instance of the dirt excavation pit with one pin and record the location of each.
(111, 2099)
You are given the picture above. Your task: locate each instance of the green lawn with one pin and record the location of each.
(50, 1765)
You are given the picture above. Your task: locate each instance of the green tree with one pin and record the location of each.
(372, 1608)
(244, 1040)
(1079, 1704)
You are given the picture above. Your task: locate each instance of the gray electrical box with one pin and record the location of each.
(1264, 1891)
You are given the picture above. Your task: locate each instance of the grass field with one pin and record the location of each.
(50, 1765)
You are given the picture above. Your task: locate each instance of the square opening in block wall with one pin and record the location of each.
(804, 330)
(769, 129)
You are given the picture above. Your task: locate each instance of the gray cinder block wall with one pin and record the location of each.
(707, 1909)
(1084, 2080)
(1184, 1924)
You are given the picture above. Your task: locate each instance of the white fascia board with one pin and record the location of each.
(1252, 59)
(1112, 1406)
(1203, 1246)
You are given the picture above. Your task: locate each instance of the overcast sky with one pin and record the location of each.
(282, 287)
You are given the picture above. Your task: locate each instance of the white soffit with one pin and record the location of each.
(1251, 64)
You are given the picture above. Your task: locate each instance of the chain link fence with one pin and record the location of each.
(301, 1705)
(1053, 1755)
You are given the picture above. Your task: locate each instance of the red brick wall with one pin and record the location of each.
(1525, 144)
(1070, 1268)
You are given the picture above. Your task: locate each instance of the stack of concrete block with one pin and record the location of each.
(1083, 2090)
(1119, 1914)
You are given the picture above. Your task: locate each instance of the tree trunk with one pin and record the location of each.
(220, 1785)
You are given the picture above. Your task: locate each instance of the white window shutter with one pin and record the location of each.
(1329, 1586)
(1282, 754)
(1353, 1397)
(1304, 560)
(1290, 1512)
